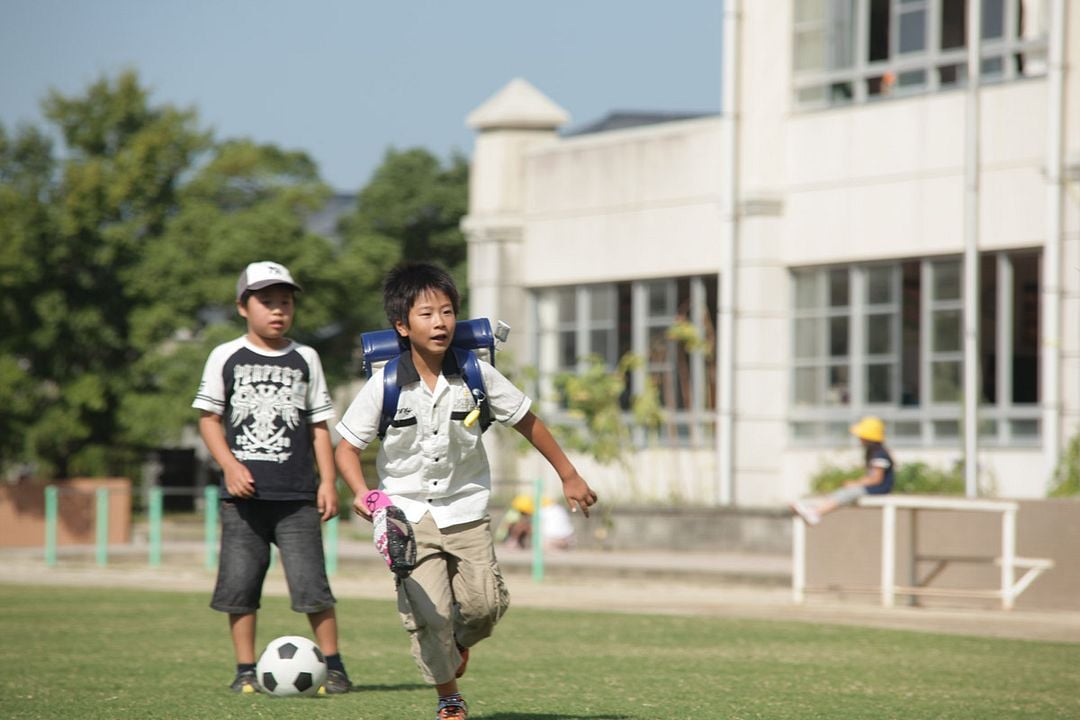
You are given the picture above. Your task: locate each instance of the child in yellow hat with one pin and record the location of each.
(878, 479)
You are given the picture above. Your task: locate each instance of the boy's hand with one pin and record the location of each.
(327, 500)
(361, 508)
(578, 493)
(238, 481)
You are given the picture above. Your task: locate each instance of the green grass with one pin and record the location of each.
(79, 653)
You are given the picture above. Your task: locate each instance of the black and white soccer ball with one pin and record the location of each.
(291, 665)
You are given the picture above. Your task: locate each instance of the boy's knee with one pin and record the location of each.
(483, 608)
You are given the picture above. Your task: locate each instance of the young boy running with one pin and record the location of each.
(435, 470)
(265, 409)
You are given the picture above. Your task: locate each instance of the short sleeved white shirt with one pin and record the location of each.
(429, 461)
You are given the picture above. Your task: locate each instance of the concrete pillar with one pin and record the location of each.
(509, 125)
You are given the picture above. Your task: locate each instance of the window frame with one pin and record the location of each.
(932, 422)
(825, 86)
(693, 426)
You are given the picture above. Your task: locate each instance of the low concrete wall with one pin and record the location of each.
(843, 553)
(22, 512)
(765, 531)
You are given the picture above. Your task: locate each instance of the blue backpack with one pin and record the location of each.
(383, 348)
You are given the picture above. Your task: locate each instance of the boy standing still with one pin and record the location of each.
(435, 469)
(265, 408)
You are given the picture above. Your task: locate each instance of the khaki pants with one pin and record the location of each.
(455, 594)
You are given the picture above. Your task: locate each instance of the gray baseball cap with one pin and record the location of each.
(262, 274)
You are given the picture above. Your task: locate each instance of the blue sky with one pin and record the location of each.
(345, 80)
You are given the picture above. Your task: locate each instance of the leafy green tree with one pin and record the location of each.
(75, 232)
(119, 257)
(411, 210)
(118, 264)
(248, 202)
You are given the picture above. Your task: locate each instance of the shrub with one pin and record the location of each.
(1067, 474)
(913, 478)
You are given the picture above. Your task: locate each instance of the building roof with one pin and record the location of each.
(621, 119)
(518, 105)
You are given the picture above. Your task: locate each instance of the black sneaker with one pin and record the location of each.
(336, 683)
(245, 683)
(400, 542)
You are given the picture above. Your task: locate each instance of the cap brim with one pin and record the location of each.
(267, 283)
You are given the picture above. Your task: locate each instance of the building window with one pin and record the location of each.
(666, 322)
(887, 339)
(848, 51)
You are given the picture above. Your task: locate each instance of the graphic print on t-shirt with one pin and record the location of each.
(267, 401)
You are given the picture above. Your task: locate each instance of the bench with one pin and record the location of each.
(1010, 588)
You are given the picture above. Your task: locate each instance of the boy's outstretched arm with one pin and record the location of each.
(326, 496)
(348, 464)
(577, 491)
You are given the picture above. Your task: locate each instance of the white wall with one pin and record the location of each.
(622, 205)
(886, 180)
(845, 185)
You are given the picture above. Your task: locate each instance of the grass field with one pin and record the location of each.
(79, 653)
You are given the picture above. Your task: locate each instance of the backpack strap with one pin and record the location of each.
(474, 379)
(391, 391)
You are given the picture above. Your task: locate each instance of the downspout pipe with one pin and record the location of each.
(971, 250)
(1050, 355)
(725, 427)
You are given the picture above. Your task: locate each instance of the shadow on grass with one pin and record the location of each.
(546, 716)
(357, 687)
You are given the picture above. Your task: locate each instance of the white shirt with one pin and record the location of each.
(429, 461)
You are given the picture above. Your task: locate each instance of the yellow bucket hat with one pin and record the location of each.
(869, 428)
(524, 504)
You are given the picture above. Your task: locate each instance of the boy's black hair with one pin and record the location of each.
(409, 281)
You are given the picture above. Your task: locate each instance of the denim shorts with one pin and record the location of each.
(247, 529)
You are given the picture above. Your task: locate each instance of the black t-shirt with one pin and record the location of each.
(268, 400)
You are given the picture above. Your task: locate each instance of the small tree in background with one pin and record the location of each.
(1067, 474)
(594, 397)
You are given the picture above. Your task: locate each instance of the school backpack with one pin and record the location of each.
(383, 349)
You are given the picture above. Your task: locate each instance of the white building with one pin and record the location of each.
(870, 185)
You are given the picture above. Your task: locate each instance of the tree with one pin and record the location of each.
(411, 209)
(594, 397)
(117, 266)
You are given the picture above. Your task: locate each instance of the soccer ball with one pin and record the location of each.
(291, 665)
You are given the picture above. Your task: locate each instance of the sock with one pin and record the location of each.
(333, 662)
(452, 700)
(242, 668)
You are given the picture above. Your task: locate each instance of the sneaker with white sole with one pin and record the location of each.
(809, 515)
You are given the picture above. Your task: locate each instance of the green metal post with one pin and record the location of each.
(51, 506)
(331, 545)
(537, 533)
(102, 526)
(210, 495)
(156, 503)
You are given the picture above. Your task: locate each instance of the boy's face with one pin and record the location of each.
(431, 323)
(269, 313)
